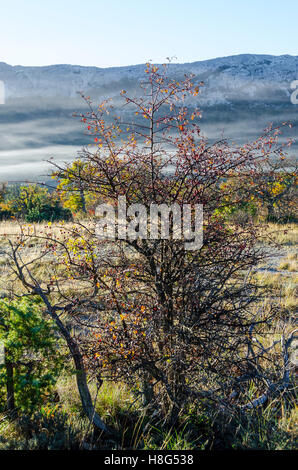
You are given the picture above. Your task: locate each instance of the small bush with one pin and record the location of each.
(48, 212)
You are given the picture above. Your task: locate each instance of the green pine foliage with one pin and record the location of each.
(30, 344)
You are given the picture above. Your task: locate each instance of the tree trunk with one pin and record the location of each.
(81, 376)
(270, 209)
(83, 200)
(146, 389)
(10, 401)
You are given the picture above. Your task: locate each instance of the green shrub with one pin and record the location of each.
(30, 343)
(5, 215)
(47, 212)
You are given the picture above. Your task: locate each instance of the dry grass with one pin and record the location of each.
(290, 262)
(283, 290)
(11, 229)
(284, 235)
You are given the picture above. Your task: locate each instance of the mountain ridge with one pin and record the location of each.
(242, 55)
(226, 78)
(241, 95)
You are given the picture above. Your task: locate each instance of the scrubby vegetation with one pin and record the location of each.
(31, 203)
(136, 343)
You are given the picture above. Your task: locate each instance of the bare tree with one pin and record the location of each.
(174, 323)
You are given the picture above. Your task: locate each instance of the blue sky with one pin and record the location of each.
(125, 32)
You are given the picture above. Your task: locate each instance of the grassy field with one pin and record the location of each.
(61, 424)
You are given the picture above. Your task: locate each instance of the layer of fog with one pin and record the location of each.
(25, 165)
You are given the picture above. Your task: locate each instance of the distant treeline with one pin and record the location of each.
(270, 194)
(31, 203)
